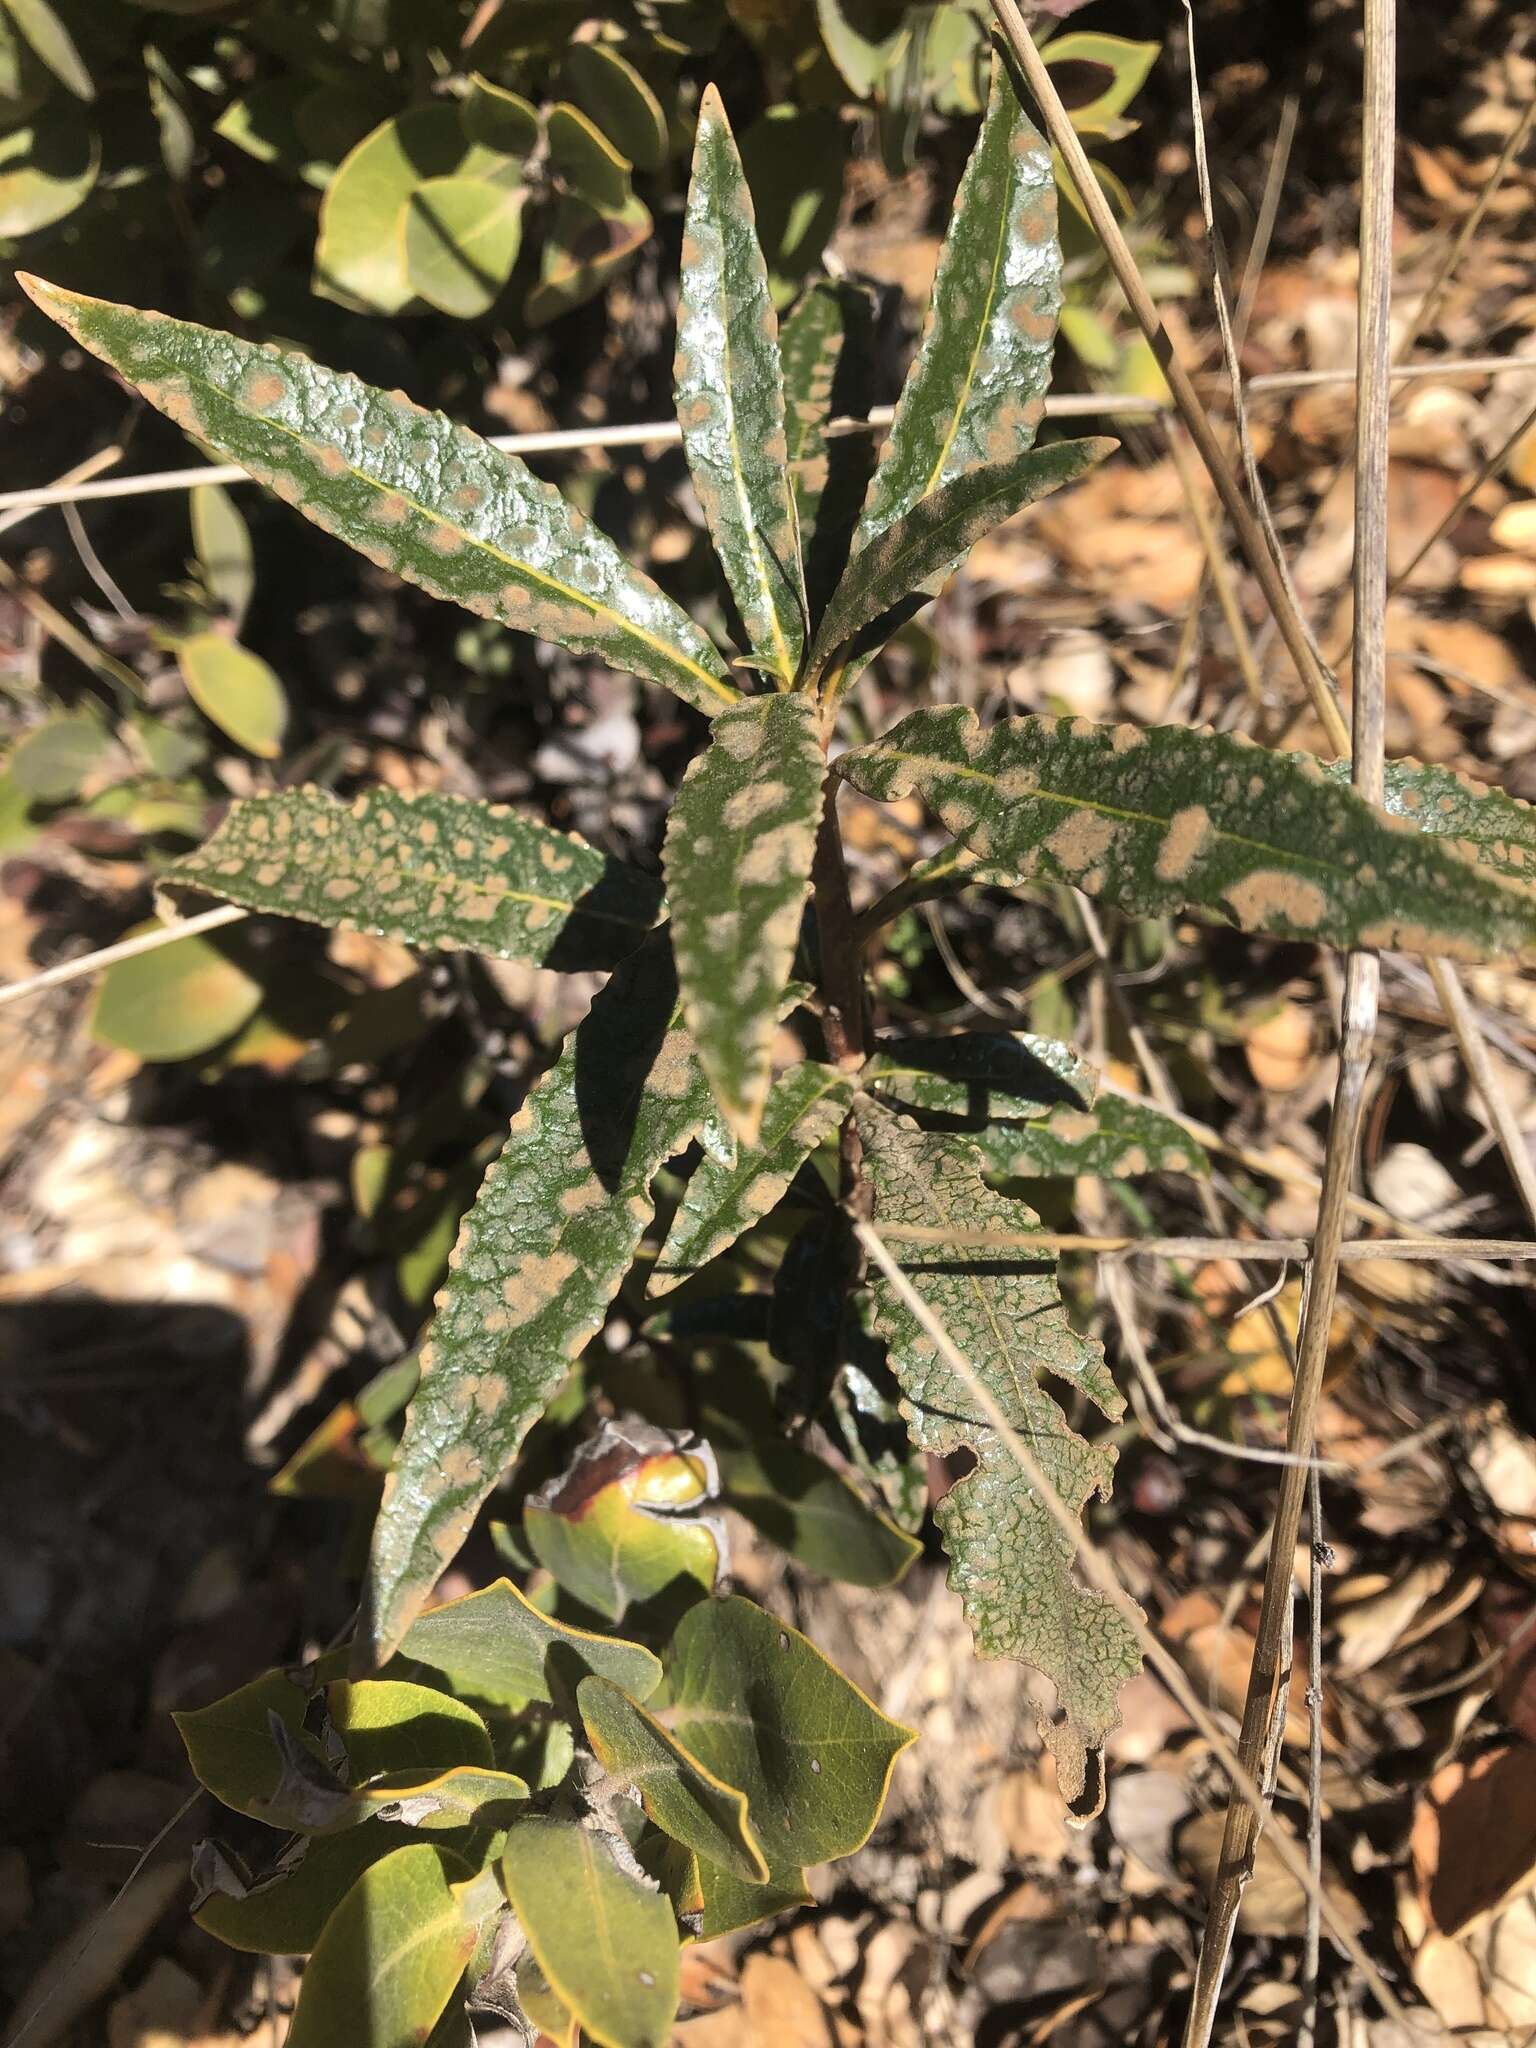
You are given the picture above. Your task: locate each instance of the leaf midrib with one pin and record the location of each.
(625, 626)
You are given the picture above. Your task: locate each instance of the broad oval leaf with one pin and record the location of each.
(1168, 818)
(236, 690)
(764, 1710)
(177, 1001)
(976, 391)
(47, 169)
(438, 871)
(805, 1105)
(585, 158)
(539, 1257)
(898, 570)
(800, 1503)
(740, 841)
(609, 88)
(391, 1955)
(461, 240)
(730, 400)
(679, 1795)
(601, 1932)
(407, 488)
(49, 763)
(1008, 1561)
(826, 344)
(496, 1646)
(498, 119)
(285, 1911)
(1101, 75)
(585, 247)
(726, 1904)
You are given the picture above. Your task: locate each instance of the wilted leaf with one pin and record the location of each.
(1008, 1561)
(49, 763)
(976, 392)
(391, 1956)
(763, 1710)
(539, 1257)
(236, 690)
(46, 171)
(439, 871)
(584, 249)
(409, 489)
(805, 1105)
(180, 1000)
(461, 240)
(1168, 818)
(629, 1519)
(610, 89)
(222, 541)
(800, 1503)
(496, 1646)
(730, 400)
(826, 345)
(738, 852)
(601, 1933)
(898, 569)
(680, 1796)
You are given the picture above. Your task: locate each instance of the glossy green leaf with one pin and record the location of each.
(360, 251)
(800, 1503)
(805, 1105)
(46, 171)
(762, 1709)
(1008, 1561)
(628, 1521)
(1168, 818)
(496, 1646)
(602, 1934)
(681, 1797)
(976, 391)
(236, 690)
(180, 1000)
(586, 160)
(222, 542)
(49, 763)
(391, 1956)
(539, 1257)
(609, 88)
(730, 400)
(740, 840)
(794, 163)
(53, 45)
(827, 343)
(498, 119)
(1100, 75)
(902, 566)
(461, 240)
(408, 488)
(439, 871)
(1486, 825)
(584, 250)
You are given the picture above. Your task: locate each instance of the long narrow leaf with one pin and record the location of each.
(1166, 818)
(1487, 825)
(827, 343)
(405, 487)
(730, 399)
(738, 854)
(1008, 1561)
(438, 871)
(891, 578)
(539, 1257)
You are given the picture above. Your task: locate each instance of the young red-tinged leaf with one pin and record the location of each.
(438, 871)
(1008, 1561)
(679, 1795)
(805, 1105)
(738, 852)
(799, 1502)
(976, 392)
(497, 1646)
(763, 1710)
(600, 1931)
(827, 343)
(391, 1956)
(730, 400)
(1168, 818)
(407, 488)
(539, 1257)
(900, 568)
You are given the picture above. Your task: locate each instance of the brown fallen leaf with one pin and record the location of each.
(1274, 1903)
(1473, 1841)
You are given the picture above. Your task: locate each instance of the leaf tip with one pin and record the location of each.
(712, 108)
(48, 298)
